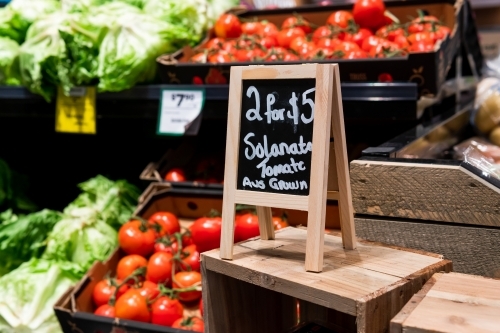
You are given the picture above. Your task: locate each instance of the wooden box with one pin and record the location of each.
(452, 303)
(358, 291)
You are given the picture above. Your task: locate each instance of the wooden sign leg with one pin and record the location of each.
(227, 234)
(266, 226)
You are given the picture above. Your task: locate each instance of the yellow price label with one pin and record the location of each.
(76, 113)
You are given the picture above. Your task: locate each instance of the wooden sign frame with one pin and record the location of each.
(328, 118)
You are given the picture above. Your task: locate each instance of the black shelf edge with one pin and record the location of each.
(350, 92)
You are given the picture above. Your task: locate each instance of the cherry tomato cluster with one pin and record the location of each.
(157, 277)
(368, 32)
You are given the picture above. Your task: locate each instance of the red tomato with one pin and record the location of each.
(358, 37)
(320, 53)
(402, 42)
(229, 46)
(185, 280)
(424, 37)
(132, 305)
(384, 49)
(369, 14)
(106, 310)
(322, 32)
(136, 237)
(215, 44)
(251, 28)
(190, 258)
(104, 289)
(199, 58)
(329, 43)
(340, 19)
(290, 57)
(279, 223)
(423, 23)
(390, 32)
(385, 77)
(168, 222)
(249, 55)
(276, 54)
(128, 265)
(206, 232)
(371, 42)
(176, 174)
(159, 269)
(200, 305)
(194, 324)
(166, 244)
(421, 47)
(220, 57)
(346, 47)
(297, 22)
(247, 226)
(297, 43)
(165, 311)
(285, 37)
(228, 26)
(268, 29)
(357, 54)
(149, 290)
(268, 42)
(440, 33)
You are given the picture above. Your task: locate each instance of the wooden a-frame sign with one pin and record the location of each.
(279, 152)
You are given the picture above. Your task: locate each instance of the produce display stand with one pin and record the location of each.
(439, 205)
(450, 303)
(359, 290)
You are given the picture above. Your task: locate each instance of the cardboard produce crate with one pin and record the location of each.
(358, 291)
(450, 303)
(429, 70)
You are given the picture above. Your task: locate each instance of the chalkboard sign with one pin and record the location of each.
(280, 119)
(276, 131)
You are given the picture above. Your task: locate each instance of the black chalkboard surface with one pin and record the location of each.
(276, 132)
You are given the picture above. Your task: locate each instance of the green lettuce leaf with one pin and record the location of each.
(9, 62)
(23, 238)
(30, 291)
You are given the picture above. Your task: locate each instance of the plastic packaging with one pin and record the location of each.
(489, 152)
(475, 157)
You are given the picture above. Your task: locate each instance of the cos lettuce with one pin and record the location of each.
(9, 62)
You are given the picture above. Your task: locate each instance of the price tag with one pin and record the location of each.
(180, 110)
(76, 113)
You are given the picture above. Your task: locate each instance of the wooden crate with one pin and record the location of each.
(452, 303)
(358, 291)
(473, 249)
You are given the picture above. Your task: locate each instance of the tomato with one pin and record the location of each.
(165, 311)
(248, 55)
(424, 37)
(148, 290)
(297, 43)
(440, 33)
(384, 49)
(229, 46)
(322, 32)
(290, 57)
(423, 23)
(268, 29)
(136, 237)
(206, 232)
(358, 37)
(369, 14)
(185, 280)
(320, 53)
(194, 324)
(190, 258)
(166, 244)
(215, 43)
(297, 22)
(346, 47)
(421, 47)
(390, 32)
(199, 58)
(186, 238)
(104, 289)
(220, 57)
(200, 306)
(385, 77)
(329, 43)
(251, 28)
(176, 174)
(371, 42)
(228, 26)
(402, 42)
(247, 226)
(306, 49)
(340, 19)
(159, 269)
(356, 54)
(129, 264)
(132, 305)
(268, 42)
(285, 37)
(168, 222)
(276, 54)
(279, 223)
(106, 310)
